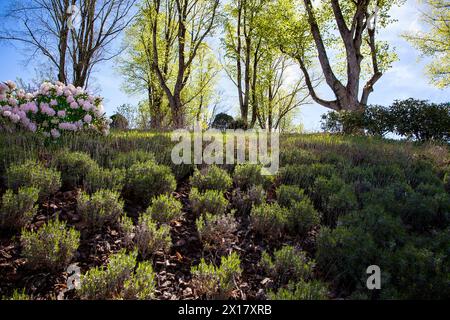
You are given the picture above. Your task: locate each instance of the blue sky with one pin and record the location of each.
(405, 79)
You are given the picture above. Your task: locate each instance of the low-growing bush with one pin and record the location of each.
(216, 231)
(18, 209)
(269, 220)
(297, 156)
(33, 174)
(101, 283)
(142, 284)
(304, 176)
(101, 178)
(287, 263)
(244, 201)
(150, 238)
(287, 195)
(301, 290)
(165, 208)
(216, 282)
(302, 217)
(211, 178)
(125, 160)
(211, 201)
(146, 180)
(101, 208)
(127, 227)
(18, 295)
(50, 247)
(247, 175)
(74, 166)
(334, 198)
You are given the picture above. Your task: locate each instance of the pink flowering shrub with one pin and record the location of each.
(51, 110)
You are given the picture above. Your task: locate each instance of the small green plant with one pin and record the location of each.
(211, 178)
(125, 160)
(151, 238)
(101, 283)
(74, 166)
(146, 180)
(99, 209)
(243, 201)
(211, 201)
(216, 231)
(99, 178)
(18, 295)
(127, 228)
(165, 208)
(216, 282)
(287, 195)
(247, 175)
(17, 210)
(33, 174)
(50, 247)
(301, 290)
(287, 263)
(269, 220)
(142, 284)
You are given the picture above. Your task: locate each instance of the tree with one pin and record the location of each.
(349, 26)
(45, 27)
(119, 122)
(129, 112)
(193, 21)
(435, 42)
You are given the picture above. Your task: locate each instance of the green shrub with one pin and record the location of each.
(334, 198)
(301, 290)
(146, 180)
(447, 182)
(33, 174)
(18, 295)
(17, 210)
(287, 263)
(216, 282)
(269, 220)
(151, 238)
(216, 231)
(211, 201)
(165, 208)
(297, 156)
(247, 175)
(125, 160)
(344, 253)
(305, 175)
(99, 209)
(101, 283)
(288, 195)
(100, 178)
(50, 247)
(142, 284)
(74, 166)
(211, 178)
(127, 228)
(243, 201)
(302, 217)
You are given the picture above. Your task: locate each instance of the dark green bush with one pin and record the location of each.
(17, 209)
(146, 180)
(287, 263)
(50, 247)
(74, 166)
(33, 174)
(212, 177)
(288, 195)
(302, 217)
(304, 175)
(297, 156)
(101, 208)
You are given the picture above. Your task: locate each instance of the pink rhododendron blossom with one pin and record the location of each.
(87, 118)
